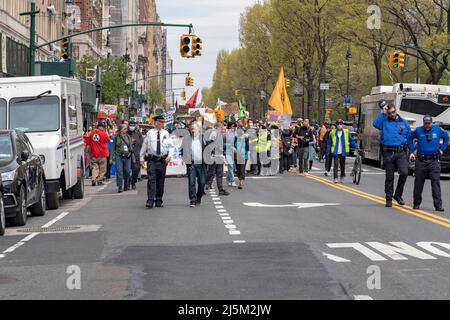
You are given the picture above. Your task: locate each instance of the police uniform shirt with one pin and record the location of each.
(428, 142)
(150, 144)
(393, 133)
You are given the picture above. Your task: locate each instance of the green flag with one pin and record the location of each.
(242, 110)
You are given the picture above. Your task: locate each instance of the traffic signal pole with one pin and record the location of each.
(34, 47)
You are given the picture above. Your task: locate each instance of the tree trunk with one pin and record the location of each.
(377, 63)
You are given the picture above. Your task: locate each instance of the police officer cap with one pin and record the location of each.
(427, 118)
(382, 103)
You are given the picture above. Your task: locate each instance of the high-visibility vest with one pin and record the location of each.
(263, 145)
(346, 140)
(323, 130)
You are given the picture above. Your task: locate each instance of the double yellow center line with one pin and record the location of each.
(407, 209)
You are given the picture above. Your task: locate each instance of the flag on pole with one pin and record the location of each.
(192, 102)
(280, 98)
(242, 110)
(220, 103)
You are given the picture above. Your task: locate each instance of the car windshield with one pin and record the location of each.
(6, 150)
(38, 114)
(2, 114)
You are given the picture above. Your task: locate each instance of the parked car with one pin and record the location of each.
(23, 177)
(2, 210)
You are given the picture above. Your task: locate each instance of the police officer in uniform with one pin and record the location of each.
(394, 132)
(427, 154)
(155, 150)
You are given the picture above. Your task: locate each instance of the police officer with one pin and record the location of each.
(155, 150)
(427, 154)
(394, 132)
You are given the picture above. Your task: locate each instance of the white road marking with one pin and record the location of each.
(32, 235)
(335, 258)
(293, 205)
(239, 241)
(262, 178)
(372, 255)
(230, 226)
(221, 210)
(228, 221)
(215, 199)
(224, 215)
(362, 297)
(396, 250)
(218, 202)
(53, 221)
(235, 233)
(220, 207)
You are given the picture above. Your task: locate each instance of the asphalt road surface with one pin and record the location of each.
(282, 237)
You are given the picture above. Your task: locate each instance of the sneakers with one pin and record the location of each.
(149, 204)
(233, 184)
(341, 180)
(416, 207)
(192, 204)
(224, 193)
(133, 186)
(335, 181)
(326, 173)
(440, 209)
(94, 183)
(120, 190)
(388, 203)
(159, 204)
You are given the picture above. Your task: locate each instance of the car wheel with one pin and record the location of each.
(2, 218)
(78, 189)
(52, 200)
(21, 217)
(38, 209)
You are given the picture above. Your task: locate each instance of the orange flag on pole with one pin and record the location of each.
(280, 98)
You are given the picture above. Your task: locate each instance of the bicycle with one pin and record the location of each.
(357, 167)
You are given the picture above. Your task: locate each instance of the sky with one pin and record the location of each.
(215, 21)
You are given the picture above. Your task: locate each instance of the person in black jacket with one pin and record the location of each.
(305, 137)
(287, 149)
(136, 140)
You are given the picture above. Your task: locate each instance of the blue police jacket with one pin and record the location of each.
(428, 142)
(393, 133)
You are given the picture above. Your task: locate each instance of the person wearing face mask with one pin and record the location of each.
(136, 140)
(339, 143)
(432, 141)
(305, 137)
(394, 132)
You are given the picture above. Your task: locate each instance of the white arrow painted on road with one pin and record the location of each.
(294, 205)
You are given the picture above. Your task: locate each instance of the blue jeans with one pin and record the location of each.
(196, 173)
(230, 166)
(123, 166)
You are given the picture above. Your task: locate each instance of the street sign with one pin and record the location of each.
(324, 86)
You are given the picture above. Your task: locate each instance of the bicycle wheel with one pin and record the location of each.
(358, 170)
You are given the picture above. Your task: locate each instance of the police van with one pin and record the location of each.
(49, 110)
(412, 102)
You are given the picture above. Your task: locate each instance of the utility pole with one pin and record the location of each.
(346, 106)
(32, 13)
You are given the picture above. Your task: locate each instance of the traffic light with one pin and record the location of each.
(237, 93)
(288, 83)
(65, 49)
(189, 82)
(185, 48)
(183, 95)
(196, 46)
(397, 60)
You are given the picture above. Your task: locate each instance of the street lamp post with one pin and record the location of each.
(31, 56)
(348, 57)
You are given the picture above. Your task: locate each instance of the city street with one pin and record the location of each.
(282, 237)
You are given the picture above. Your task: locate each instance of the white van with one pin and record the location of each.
(48, 109)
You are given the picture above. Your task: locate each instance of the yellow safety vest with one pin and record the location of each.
(346, 141)
(263, 145)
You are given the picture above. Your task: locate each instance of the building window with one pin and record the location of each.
(16, 58)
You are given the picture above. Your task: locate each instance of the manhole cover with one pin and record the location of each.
(43, 230)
